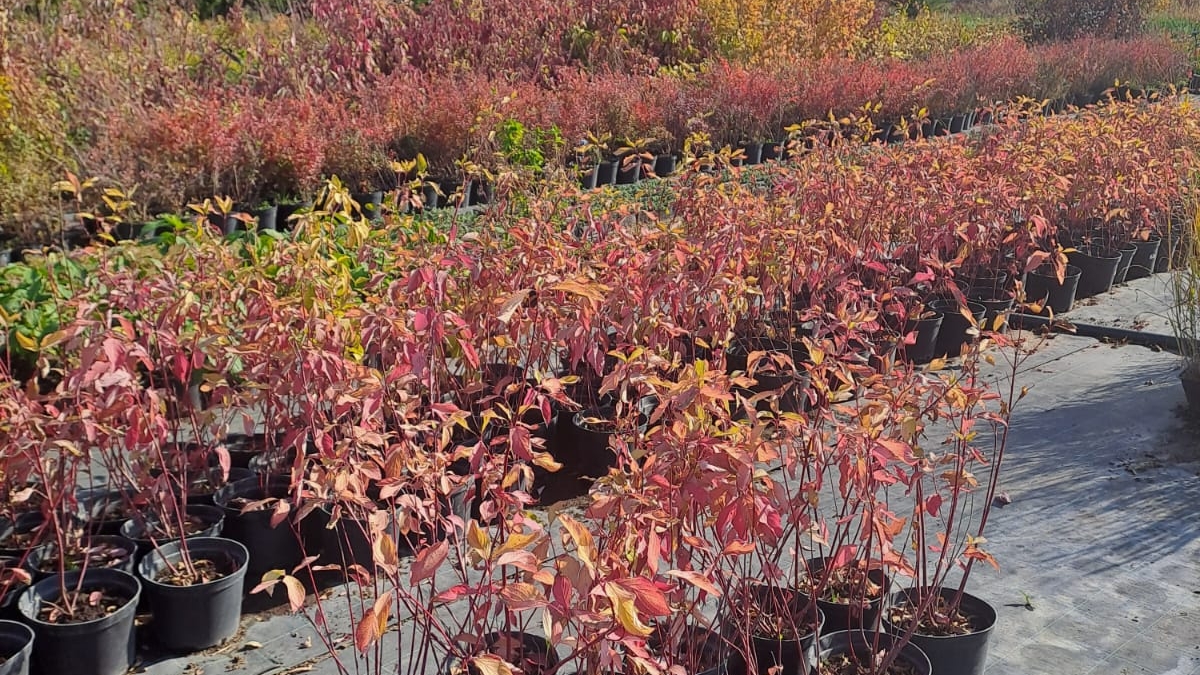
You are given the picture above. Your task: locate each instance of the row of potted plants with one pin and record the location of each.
(259, 151)
(425, 392)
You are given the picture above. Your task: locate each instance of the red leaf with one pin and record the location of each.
(933, 504)
(428, 561)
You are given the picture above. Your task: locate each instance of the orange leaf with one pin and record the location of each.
(428, 561)
(295, 591)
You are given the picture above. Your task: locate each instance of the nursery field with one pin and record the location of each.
(690, 337)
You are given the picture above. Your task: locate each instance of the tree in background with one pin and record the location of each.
(1057, 20)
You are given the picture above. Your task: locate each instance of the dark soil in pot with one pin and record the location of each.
(956, 645)
(99, 638)
(1043, 288)
(783, 626)
(1126, 252)
(955, 331)
(200, 520)
(1097, 268)
(196, 605)
(107, 512)
(16, 648)
(100, 551)
(853, 653)
(1145, 258)
(850, 597)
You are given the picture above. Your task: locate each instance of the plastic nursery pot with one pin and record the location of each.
(197, 616)
(790, 383)
(103, 551)
(270, 547)
(1042, 287)
(965, 654)
(954, 335)
(370, 204)
(772, 151)
(784, 654)
(1144, 258)
(531, 653)
(201, 520)
(860, 647)
(11, 589)
(990, 282)
(753, 153)
(629, 172)
(606, 173)
(664, 165)
(997, 304)
(284, 213)
(587, 452)
(700, 650)
(16, 648)
(588, 177)
(202, 491)
(854, 613)
(19, 535)
(1126, 252)
(101, 645)
(926, 330)
(107, 512)
(242, 448)
(1097, 270)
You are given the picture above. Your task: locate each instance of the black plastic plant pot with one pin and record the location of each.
(664, 165)
(202, 493)
(101, 646)
(998, 304)
(190, 618)
(16, 648)
(105, 551)
(369, 203)
(1126, 252)
(242, 448)
(588, 452)
(532, 652)
(963, 654)
(987, 282)
(430, 199)
(107, 512)
(1144, 259)
(926, 329)
(698, 649)
(589, 177)
(777, 654)
(284, 213)
(606, 173)
(10, 594)
(17, 536)
(270, 548)
(1042, 287)
(772, 151)
(629, 172)
(753, 153)
(1097, 270)
(205, 520)
(953, 335)
(266, 218)
(861, 646)
(854, 615)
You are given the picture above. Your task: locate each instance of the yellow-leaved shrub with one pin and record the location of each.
(760, 31)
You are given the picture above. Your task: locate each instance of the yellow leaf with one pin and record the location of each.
(27, 343)
(936, 365)
(624, 610)
(516, 542)
(510, 305)
(490, 665)
(478, 539)
(583, 540)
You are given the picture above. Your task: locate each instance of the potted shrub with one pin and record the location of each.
(194, 586)
(1185, 309)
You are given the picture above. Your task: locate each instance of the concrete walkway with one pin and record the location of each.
(1102, 534)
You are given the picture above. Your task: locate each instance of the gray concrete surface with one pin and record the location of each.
(1102, 533)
